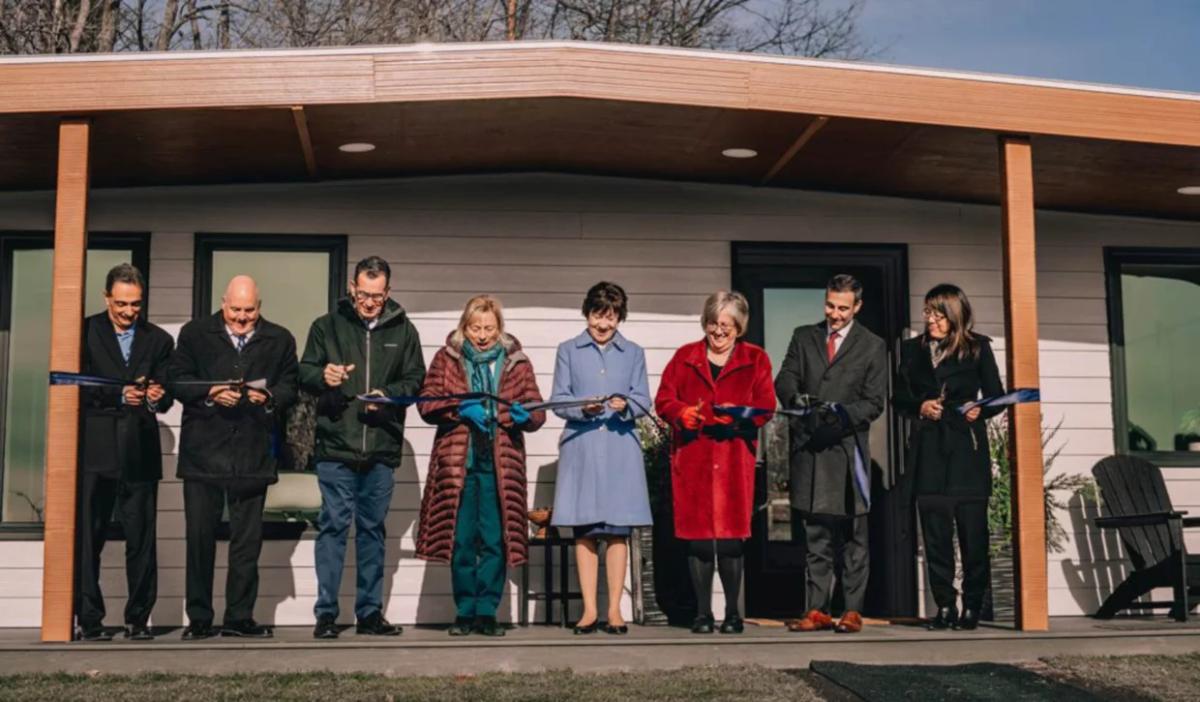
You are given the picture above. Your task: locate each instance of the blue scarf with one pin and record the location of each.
(482, 380)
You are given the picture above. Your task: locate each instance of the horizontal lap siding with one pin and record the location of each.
(539, 242)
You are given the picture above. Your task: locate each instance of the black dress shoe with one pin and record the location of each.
(94, 632)
(246, 628)
(462, 626)
(587, 628)
(376, 625)
(138, 632)
(199, 630)
(326, 627)
(488, 626)
(703, 624)
(969, 620)
(945, 618)
(733, 625)
(618, 629)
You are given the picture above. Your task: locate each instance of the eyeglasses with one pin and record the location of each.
(930, 313)
(373, 297)
(727, 328)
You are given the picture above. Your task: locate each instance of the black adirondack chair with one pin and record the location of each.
(1136, 504)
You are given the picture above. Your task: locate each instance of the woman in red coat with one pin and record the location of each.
(473, 512)
(712, 454)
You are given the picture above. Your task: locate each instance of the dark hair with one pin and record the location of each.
(604, 296)
(373, 266)
(950, 301)
(123, 273)
(842, 282)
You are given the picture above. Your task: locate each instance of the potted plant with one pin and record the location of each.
(999, 600)
(662, 593)
(1188, 437)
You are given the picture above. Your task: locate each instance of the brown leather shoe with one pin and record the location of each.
(815, 620)
(851, 623)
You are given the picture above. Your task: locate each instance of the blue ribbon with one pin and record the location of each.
(407, 400)
(861, 477)
(1016, 397)
(94, 381)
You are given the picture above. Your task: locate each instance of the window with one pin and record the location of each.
(299, 279)
(26, 261)
(1154, 329)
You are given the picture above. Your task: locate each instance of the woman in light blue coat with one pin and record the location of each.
(601, 488)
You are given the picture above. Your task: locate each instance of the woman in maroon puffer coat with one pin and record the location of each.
(474, 510)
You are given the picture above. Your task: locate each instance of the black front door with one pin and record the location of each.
(785, 284)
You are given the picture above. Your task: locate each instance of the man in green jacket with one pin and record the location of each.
(367, 346)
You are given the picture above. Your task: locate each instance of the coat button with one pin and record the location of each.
(601, 371)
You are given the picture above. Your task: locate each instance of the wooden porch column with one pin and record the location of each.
(1021, 349)
(62, 422)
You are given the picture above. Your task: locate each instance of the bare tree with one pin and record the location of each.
(794, 27)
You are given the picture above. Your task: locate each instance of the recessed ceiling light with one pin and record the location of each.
(1189, 190)
(739, 153)
(357, 147)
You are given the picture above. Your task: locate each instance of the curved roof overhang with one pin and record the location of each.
(596, 108)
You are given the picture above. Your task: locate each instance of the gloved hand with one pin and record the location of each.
(472, 411)
(519, 414)
(828, 430)
(721, 418)
(692, 418)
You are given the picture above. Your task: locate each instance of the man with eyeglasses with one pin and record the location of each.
(121, 456)
(843, 362)
(367, 346)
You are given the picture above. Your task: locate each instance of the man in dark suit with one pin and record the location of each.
(845, 363)
(225, 448)
(122, 454)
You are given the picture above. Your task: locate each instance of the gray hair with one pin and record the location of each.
(725, 301)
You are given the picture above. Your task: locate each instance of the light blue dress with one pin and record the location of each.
(601, 478)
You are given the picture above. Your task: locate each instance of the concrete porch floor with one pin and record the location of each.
(429, 651)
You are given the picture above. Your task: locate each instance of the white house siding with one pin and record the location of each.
(538, 241)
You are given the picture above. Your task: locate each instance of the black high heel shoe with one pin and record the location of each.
(587, 629)
(621, 629)
(733, 625)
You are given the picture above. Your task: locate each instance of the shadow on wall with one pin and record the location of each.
(1100, 565)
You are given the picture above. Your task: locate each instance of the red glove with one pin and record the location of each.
(722, 419)
(691, 418)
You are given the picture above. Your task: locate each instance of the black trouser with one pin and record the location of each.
(939, 516)
(137, 508)
(826, 536)
(202, 506)
(725, 556)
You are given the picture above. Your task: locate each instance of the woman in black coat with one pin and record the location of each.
(941, 370)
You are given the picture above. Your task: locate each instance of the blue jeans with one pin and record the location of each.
(361, 496)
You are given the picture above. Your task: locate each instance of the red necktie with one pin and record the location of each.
(831, 346)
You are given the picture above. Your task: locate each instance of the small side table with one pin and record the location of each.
(549, 595)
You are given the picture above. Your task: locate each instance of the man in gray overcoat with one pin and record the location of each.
(840, 362)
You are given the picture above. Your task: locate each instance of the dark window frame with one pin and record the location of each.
(1115, 258)
(17, 240)
(207, 243)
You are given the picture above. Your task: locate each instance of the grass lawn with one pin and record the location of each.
(1117, 678)
(1129, 677)
(744, 683)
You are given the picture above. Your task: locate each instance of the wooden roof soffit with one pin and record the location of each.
(801, 141)
(310, 156)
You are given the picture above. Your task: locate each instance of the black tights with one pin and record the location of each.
(726, 555)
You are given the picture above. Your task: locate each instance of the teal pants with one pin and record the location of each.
(477, 567)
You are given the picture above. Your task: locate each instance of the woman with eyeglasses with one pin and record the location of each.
(944, 368)
(473, 513)
(600, 491)
(707, 394)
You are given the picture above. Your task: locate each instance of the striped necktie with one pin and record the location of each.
(241, 341)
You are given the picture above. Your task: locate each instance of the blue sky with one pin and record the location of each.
(1142, 43)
